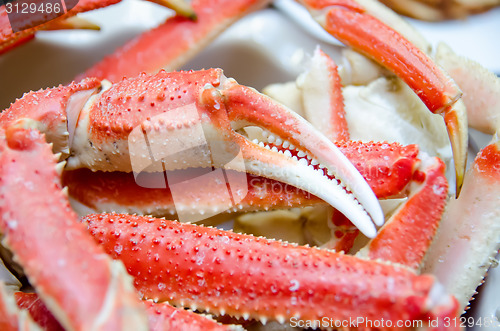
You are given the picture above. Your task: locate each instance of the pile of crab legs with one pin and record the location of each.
(87, 124)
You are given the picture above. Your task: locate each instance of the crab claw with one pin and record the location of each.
(455, 118)
(210, 133)
(360, 27)
(191, 126)
(291, 151)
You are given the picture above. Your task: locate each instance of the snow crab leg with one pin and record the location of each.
(471, 218)
(272, 280)
(387, 168)
(45, 237)
(351, 23)
(10, 39)
(161, 48)
(49, 240)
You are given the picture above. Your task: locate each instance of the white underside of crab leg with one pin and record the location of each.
(469, 235)
(481, 89)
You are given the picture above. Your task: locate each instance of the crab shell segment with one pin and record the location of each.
(162, 48)
(415, 221)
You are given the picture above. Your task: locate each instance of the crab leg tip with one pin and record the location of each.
(368, 230)
(377, 214)
(363, 223)
(73, 23)
(181, 7)
(455, 118)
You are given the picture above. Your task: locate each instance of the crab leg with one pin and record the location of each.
(473, 217)
(406, 237)
(246, 107)
(386, 181)
(163, 48)
(324, 107)
(322, 97)
(45, 237)
(10, 39)
(265, 279)
(454, 257)
(108, 300)
(92, 192)
(349, 22)
(481, 89)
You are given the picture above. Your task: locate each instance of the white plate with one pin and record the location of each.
(262, 48)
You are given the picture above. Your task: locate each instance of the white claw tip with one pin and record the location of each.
(368, 229)
(378, 215)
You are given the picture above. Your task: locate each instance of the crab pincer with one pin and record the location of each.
(361, 28)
